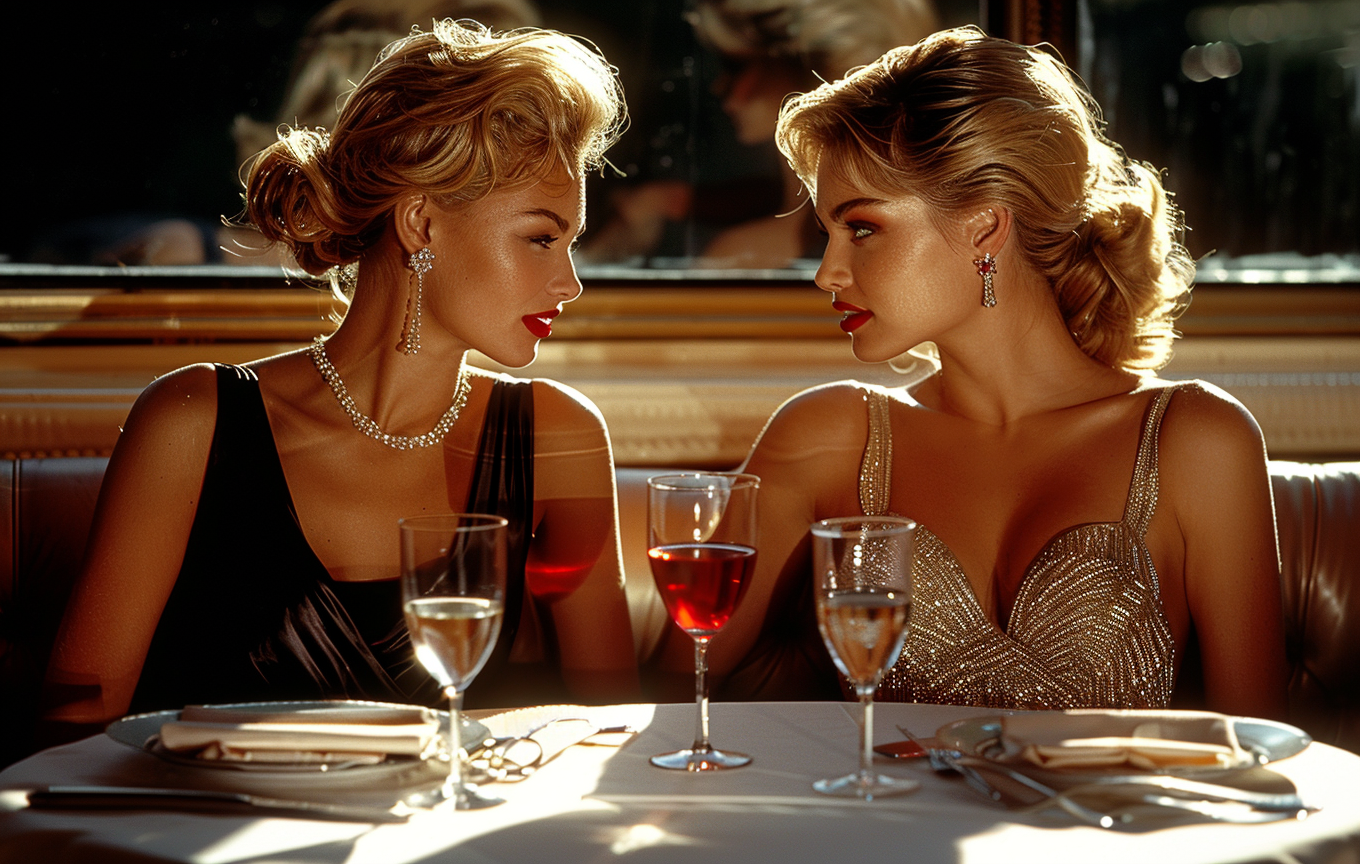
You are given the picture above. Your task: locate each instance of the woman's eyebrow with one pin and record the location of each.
(562, 224)
(839, 210)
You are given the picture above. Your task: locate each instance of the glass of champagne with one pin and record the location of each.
(862, 567)
(702, 549)
(453, 594)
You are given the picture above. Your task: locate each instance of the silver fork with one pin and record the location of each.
(944, 760)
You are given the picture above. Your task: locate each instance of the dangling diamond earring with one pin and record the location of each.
(987, 269)
(422, 262)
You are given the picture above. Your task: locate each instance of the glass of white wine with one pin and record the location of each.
(453, 593)
(862, 568)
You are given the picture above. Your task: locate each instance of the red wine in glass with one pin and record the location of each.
(702, 583)
(702, 550)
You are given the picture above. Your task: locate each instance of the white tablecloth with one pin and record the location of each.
(597, 804)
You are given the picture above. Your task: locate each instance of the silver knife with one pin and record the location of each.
(129, 797)
(1281, 801)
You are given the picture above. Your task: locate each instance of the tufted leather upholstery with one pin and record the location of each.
(1317, 511)
(46, 506)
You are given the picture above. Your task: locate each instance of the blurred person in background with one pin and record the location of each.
(773, 49)
(336, 49)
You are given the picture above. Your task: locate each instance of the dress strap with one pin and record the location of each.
(1142, 501)
(875, 471)
(503, 485)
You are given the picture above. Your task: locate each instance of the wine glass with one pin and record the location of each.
(862, 567)
(453, 594)
(702, 549)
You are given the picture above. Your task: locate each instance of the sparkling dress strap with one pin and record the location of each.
(875, 471)
(1142, 500)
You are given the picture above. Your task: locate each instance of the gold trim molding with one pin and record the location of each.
(709, 309)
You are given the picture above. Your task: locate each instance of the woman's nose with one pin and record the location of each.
(567, 286)
(832, 274)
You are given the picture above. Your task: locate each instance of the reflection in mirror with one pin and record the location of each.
(137, 128)
(1254, 110)
(150, 111)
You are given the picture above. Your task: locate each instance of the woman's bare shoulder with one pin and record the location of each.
(181, 401)
(560, 406)
(164, 445)
(1202, 418)
(829, 417)
(1209, 440)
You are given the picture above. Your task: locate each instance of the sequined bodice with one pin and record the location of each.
(1087, 627)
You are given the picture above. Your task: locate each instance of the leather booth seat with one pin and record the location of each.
(46, 506)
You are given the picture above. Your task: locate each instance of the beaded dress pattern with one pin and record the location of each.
(1087, 629)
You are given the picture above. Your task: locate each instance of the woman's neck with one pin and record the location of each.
(403, 393)
(1015, 361)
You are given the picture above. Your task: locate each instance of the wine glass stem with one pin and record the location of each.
(701, 744)
(454, 785)
(866, 733)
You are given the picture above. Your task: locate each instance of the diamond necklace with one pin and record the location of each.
(369, 427)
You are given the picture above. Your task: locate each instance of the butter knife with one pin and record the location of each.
(135, 797)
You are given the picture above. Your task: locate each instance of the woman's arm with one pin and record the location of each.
(1215, 478)
(141, 526)
(574, 564)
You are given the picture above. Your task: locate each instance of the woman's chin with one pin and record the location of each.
(518, 358)
(868, 353)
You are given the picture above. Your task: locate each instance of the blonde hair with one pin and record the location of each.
(828, 37)
(963, 121)
(456, 112)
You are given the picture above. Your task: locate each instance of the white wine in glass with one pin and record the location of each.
(453, 593)
(863, 570)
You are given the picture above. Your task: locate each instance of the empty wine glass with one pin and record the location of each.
(862, 567)
(702, 549)
(453, 593)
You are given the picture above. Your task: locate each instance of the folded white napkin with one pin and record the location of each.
(352, 734)
(1143, 740)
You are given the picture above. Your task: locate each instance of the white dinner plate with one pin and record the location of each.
(1264, 740)
(142, 732)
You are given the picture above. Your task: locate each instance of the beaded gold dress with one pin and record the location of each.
(1087, 629)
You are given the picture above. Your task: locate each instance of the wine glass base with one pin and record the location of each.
(467, 798)
(867, 787)
(700, 760)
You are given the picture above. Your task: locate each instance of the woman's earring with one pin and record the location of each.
(987, 269)
(422, 262)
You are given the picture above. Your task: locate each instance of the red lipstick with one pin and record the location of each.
(854, 316)
(540, 323)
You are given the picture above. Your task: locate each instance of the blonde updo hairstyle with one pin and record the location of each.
(456, 112)
(966, 121)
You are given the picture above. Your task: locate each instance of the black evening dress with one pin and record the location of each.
(255, 616)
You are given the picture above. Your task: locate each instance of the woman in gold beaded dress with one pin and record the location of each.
(1083, 522)
(245, 544)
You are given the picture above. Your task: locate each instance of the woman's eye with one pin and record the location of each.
(575, 244)
(544, 240)
(859, 232)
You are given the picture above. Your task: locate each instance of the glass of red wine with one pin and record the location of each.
(862, 583)
(702, 549)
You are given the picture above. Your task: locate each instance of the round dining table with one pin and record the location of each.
(608, 803)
